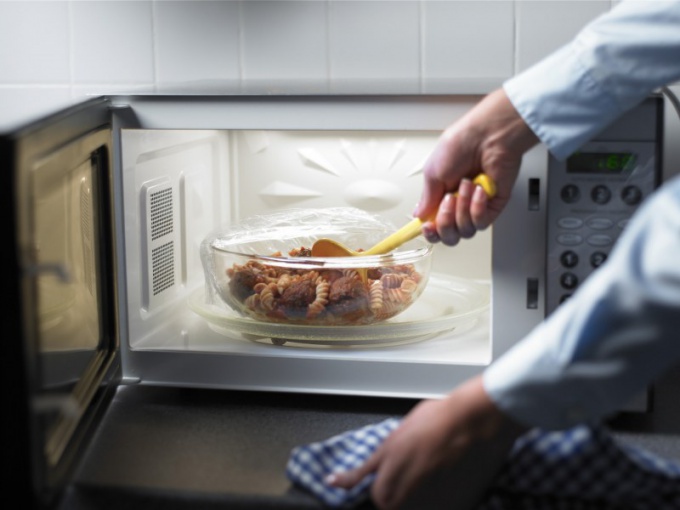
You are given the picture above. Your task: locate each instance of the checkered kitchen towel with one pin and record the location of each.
(583, 468)
(310, 464)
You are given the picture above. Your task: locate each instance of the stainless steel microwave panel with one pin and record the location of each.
(594, 193)
(189, 164)
(133, 184)
(239, 156)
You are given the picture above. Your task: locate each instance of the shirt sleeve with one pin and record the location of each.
(609, 67)
(614, 336)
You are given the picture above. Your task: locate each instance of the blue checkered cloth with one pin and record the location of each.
(310, 464)
(583, 468)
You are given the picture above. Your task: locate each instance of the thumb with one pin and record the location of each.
(432, 194)
(348, 479)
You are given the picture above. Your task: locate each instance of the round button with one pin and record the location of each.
(569, 222)
(601, 194)
(569, 259)
(570, 193)
(631, 195)
(569, 239)
(599, 240)
(597, 259)
(569, 281)
(600, 223)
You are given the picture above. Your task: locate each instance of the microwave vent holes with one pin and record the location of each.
(161, 213)
(162, 225)
(159, 202)
(163, 263)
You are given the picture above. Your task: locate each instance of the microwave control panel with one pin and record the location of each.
(591, 198)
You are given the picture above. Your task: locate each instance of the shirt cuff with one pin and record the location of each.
(559, 100)
(613, 337)
(529, 381)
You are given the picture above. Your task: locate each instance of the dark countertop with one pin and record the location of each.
(176, 448)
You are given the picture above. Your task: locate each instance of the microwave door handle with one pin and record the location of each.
(60, 270)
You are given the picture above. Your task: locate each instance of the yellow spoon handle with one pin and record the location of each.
(401, 236)
(413, 228)
(486, 183)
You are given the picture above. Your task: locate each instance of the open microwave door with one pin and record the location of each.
(60, 359)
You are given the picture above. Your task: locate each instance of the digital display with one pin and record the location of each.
(600, 162)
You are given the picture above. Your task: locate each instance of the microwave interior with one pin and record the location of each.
(179, 181)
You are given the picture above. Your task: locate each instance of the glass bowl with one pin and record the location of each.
(265, 271)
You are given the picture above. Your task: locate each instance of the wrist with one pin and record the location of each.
(507, 132)
(484, 419)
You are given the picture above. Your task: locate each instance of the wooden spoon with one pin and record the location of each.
(330, 248)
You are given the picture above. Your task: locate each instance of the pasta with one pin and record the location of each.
(320, 297)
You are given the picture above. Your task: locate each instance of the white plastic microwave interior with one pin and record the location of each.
(187, 181)
(179, 185)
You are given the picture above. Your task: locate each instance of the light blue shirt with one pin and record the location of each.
(610, 66)
(621, 329)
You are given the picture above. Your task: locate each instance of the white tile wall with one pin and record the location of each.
(49, 49)
(466, 40)
(34, 42)
(375, 40)
(284, 40)
(196, 41)
(545, 26)
(112, 42)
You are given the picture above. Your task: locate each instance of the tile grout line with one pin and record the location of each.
(421, 44)
(154, 44)
(71, 49)
(329, 70)
(241, 45)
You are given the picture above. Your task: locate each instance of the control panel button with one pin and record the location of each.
(631, 195)
(569, 239)
(597, 259)
(601, 194)
(600, 223)
(569, 281)
(570, 222)
(569, 259)
(599, 240)
(570, 193)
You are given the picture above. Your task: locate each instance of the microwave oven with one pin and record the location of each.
(106, 204)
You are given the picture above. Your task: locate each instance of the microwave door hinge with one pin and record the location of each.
(128, 381)
(119, 106)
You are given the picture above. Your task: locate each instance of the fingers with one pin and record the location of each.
(461, 215)
(466, 229)
(479, 208)
(432, 194)
(388, 489)
(348, 479)
(445, 224)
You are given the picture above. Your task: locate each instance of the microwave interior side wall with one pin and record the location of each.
(179, 185)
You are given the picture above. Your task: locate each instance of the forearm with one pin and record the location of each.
(616, 334)
(611, 65)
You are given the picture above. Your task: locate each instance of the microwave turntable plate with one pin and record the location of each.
(447, 303)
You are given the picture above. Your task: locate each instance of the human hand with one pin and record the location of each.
(445, 453)
(490, 138)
